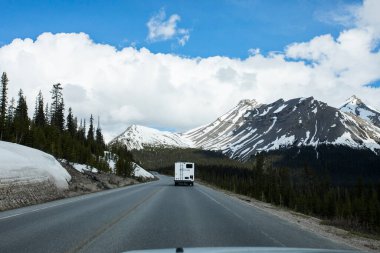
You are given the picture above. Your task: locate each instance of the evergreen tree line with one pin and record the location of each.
(353, 207)
(51, 131)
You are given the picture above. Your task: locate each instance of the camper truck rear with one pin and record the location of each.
(184, 173)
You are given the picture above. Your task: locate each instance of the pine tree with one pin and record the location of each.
(99, 137)
(90, 134)
(21, 119)
(71, 126)
(47, 114)
(9, 121)
(39, 114)
(57, 107)
(3, 103)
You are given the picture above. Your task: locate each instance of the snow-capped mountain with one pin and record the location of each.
(138, 137)
(298, 122)
(251, 127)
(356, 106)
(211, 136)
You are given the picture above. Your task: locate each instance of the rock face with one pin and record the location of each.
(251, 127)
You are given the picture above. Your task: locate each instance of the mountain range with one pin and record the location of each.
(251, 127)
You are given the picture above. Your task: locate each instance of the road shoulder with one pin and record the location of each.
(308, 223)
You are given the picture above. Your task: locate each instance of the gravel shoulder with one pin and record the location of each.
(309, 223)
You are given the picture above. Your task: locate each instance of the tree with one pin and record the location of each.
(90, 134)
(39, 114)
(99, 137)
(47, 114)
(123, 167)
(57, 107)
(3, 103)
(21, 119)
(9, 121)
(71, 124)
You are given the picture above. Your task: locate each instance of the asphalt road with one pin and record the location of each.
(148, 216)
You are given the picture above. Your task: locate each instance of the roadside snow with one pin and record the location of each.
(84, 167)
(140, 172)
(21, 164)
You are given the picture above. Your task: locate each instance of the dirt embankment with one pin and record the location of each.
(24, 194)
(87, 182)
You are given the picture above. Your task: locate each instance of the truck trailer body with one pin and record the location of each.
(184, 173)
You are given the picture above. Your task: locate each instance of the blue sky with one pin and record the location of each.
(328, 49)
(228, 28)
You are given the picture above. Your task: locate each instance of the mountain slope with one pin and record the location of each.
(298, 122)
(251, 127)
(356, 106)
(211, 136)
(138, 137)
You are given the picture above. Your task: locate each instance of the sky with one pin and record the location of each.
(175, 65)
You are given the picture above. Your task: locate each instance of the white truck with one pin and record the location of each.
(184, 173)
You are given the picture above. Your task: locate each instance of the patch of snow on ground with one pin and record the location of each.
(19, 164)
(345, 139)
(140, 172)
(84, 167)
(307, 136)
(270, 128)
(279, 142)
(266, 111)
(280, 108)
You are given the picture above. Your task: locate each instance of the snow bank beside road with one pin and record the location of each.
(21, 164)
(138, 171)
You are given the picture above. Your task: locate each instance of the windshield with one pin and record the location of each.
(230, 125)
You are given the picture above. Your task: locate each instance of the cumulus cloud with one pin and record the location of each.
(136, 86)
(160, 29)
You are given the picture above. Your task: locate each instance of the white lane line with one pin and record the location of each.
(273, 239)
(228, 209)
(83, 197)
(35, 210)
(245, 220)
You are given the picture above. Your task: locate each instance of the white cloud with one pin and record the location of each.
(160, 29)
(253, 51)
(136, 86)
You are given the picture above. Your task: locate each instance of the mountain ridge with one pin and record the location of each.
(250, 127)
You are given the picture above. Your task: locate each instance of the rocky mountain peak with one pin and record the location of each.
(247, 102)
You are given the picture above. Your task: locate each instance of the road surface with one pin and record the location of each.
(148, 216)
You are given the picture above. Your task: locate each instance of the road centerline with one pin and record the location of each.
(109, 225)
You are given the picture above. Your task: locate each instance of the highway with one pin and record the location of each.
(148, 216)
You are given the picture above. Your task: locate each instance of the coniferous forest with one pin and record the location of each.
(55, 132)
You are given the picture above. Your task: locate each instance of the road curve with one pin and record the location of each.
(148, 216)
